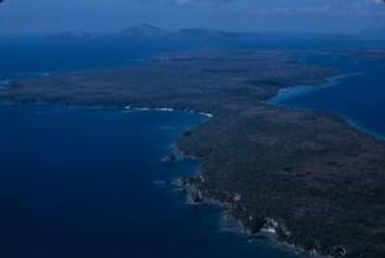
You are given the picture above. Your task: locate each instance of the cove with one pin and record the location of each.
(86, 183)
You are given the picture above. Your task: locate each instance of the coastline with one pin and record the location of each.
(303, 89)
(363, 129)
(334, 81)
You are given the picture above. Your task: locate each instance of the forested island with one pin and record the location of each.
(309, 177)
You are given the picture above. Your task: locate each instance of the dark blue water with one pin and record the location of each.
(38, 56)
(78, 183)
(359, 96)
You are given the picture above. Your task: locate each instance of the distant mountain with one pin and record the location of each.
(142, 30)
(207, 32)
(145, 31)
(148, 31)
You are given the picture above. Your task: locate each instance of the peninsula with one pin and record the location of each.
(311, 178)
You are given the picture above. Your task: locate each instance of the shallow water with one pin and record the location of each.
(358, 95)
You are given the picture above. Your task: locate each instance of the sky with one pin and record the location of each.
(42, 16)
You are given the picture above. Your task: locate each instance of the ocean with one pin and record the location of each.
(81, 183)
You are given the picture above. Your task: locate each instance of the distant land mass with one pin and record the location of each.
(141, 30)
(144, 29)
(309, 178)
(149, 31)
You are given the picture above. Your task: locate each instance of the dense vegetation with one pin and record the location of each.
(318, 181)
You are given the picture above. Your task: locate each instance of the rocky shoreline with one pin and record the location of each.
(249, 226)
(197, 193)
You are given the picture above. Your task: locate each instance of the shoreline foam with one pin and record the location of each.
(167, 109)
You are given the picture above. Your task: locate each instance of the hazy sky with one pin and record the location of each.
(36, 16)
